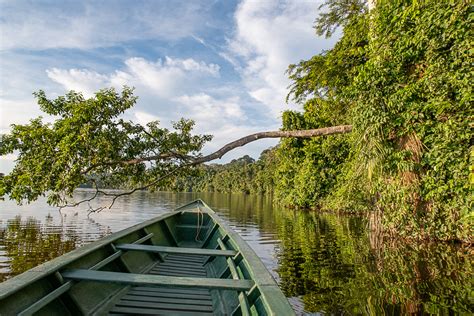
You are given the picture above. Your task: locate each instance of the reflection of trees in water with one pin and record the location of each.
(28, 243)
(328, 261)
(244, 209)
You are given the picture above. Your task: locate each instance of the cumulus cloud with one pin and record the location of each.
(208, 109)
(7, 162)
(269, 36)
(165, 78)
(83, 80)
(190, 64)
(17, 112)
(143, 117)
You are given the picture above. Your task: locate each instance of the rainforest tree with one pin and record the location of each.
(401, 76)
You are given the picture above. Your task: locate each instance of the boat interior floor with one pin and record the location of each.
(143, 300)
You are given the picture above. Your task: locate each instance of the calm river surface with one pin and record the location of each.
(324, 263)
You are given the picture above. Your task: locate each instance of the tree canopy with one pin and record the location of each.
(88, 137)
(401, 76)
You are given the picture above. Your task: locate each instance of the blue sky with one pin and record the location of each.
(221, 63)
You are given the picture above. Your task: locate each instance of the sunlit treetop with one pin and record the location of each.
(89, 141)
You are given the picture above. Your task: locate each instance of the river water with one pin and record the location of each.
(324, 263)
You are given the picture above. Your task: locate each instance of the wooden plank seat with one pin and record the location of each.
(36, 306)
(157, 280)
(177, 250)
(147, 300)
(177, 286)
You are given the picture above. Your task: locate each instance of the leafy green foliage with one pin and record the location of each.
(338, 13)
(88, 138)
(308, 168)
(402, 77)
(413, 117)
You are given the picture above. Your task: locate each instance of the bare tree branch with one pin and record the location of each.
(115, 196)
(188, 161)
(341, 129)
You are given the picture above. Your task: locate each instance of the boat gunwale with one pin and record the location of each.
(264, 281)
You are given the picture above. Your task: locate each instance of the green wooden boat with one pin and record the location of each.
(186, 262)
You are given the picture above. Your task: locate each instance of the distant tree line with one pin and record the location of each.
(242, 175)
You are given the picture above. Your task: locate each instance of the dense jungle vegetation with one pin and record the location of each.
(401, 75)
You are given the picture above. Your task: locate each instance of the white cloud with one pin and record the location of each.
(165, 78)
(169, 77)
(143, 118)
(207, 110)
(269, 36)
(18, 112)
(160, 79)
(90, 24)
(7, 162)
(83, 80)
(192, 65)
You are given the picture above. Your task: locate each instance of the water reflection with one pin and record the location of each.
(324, 263)
(25, 245)
(328, 262)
